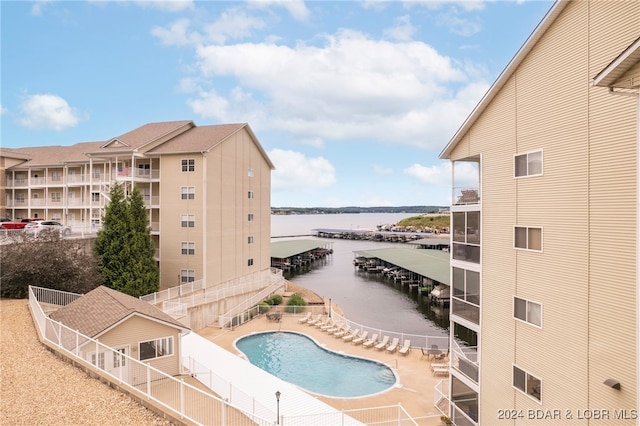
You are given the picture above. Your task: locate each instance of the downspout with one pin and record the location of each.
(204, 217)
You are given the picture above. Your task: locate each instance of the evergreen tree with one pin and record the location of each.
(124, 245)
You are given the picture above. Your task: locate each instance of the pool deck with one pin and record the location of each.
(415, 390)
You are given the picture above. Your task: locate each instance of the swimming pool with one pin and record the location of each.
(298, 359)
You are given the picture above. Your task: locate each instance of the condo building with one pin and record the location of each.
(207, 190)
(545, 235)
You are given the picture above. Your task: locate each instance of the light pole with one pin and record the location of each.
(278, 407)
(330, 307)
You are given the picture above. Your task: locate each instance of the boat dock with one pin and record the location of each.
(371, 234)
(293, 254)
(419, 269)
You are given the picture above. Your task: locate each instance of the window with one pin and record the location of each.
(188, 193)
(188, 221)
(250, 240)
(20, 197)
(527, 311)
(250, 172)
(528, 164)
(56, 176)
(144, 169)
(95, 197)
(250, 262)
(55, 197)
(466, 285)
(189, 165)
(466, 236)
(187, 276)
(99, 362)
(527, 238)
(119, 359)
(250, 217)
(96, 173)
(526, 383)
(250, 194)
(156, 348)
(188, 248)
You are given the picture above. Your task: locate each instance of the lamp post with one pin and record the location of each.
(330, 307)
(278, 407)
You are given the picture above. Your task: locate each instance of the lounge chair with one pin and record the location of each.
(326, 324)
(349, 337)
(394, 345)
(332, 329)
(383, 344)
(406, 347)
(342, 332)
(315, 320)
(361, 339)
(369, 343)
(305, 318)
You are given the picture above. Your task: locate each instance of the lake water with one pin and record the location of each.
(365, 298)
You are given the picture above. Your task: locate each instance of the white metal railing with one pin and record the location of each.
(226, 390)
(173, 292)
(417, 341)
(225, 320)
(465, 360)
(391, 415)
(175, 309)
(172, 394)
(441, 398)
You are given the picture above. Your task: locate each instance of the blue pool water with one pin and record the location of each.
(297, 359)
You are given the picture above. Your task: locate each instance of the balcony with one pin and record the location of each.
(465, 196)
(464, 359)
(138, 174)
(465, 310)
(466, 252)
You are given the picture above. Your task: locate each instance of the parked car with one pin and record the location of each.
(34, 228)
(21, 224)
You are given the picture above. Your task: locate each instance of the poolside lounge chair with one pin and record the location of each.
(369, 343)
(349, 337)
(406, 347)
(305, 318)
(361, 339)
(326, 324)
(332, 329)
(394, 345)
(383, 344)
(315, 320)
(342, 332)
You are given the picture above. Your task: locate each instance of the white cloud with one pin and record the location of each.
(166, 5)
(403, 30)
(36, 8)
(177, 34)
(382, 170)
(233, 24)
(297, 172)
(296, 8)
(3, 110)
(438, 175)
(47, 112)
(351, 87)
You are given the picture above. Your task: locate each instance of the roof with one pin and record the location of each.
(431, 242)
(432, 264)
(619, 66)
(506, 74)
(145, 134)
(102, 308)
(205, 138)
(284, 249)
(51, 155)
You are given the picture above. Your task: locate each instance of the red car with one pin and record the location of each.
(18, 225)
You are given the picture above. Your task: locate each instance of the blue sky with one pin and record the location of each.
(352, 100)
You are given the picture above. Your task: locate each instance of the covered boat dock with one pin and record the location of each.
(291, 254)
(415, 268)
(370, 234)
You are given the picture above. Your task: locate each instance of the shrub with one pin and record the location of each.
(295, 301)
(276, 299)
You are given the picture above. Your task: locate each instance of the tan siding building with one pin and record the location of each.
(207, 190)
(547, 249)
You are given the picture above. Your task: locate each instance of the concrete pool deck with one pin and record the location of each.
(415, 390)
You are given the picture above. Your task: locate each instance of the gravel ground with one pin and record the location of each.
(37, 388)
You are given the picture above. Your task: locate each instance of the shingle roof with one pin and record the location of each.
(103, 307)
(53, 155)
(198, 139)
(148, 133)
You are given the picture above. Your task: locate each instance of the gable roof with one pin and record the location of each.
(102, 308)
(506, 74)
(146, 134)
(205, 138)
(51, 155)
(609, 76)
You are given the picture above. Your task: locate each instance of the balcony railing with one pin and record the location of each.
(465, 360)
(466, 195)
(465, 310)
(466, 252)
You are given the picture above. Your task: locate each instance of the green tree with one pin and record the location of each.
(124, 246)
